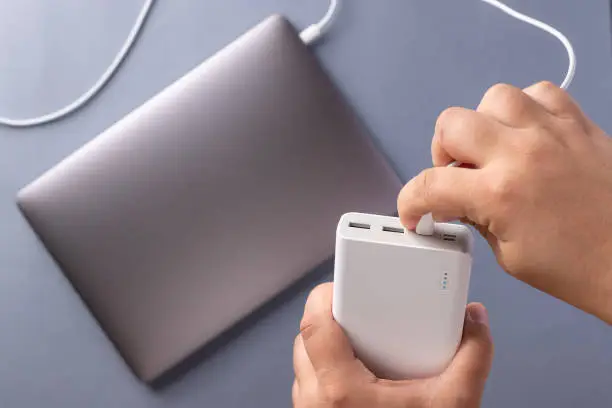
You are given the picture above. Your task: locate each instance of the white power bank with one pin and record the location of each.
(399, 296)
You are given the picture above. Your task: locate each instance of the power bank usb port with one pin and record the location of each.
(393, 229)
(359, 225)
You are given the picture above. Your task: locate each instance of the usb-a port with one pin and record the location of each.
(359, 225)
(393, 229)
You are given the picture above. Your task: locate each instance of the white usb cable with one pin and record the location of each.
(97, 87)
(309, 36)
(317, 30)
(569, 77)
(426, 224)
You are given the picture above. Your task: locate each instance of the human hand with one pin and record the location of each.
(328, 375)
(539, 189)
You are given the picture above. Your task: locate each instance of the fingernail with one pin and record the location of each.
(479, 314)
(411, 224)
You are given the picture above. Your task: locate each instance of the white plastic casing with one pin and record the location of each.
(399, 296)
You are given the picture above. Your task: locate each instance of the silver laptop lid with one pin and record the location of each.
(211, 198)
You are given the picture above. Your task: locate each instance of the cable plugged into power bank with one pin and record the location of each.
(426, 226)
(401, 297)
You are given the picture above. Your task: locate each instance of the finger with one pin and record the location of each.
(447, 193)
(484, 231)
(324, 340)
(510, 106)
(552, 98)
(556, 101)
(440, 158)
(302, 366)
(465, 135)
(295, 393)
(398, 394)
(470, 368)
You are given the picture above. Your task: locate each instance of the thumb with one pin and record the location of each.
(325, 343)
(470, 368)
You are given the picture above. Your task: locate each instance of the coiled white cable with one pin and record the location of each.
(97, 87)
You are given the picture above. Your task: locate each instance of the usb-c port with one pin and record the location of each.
(359, 225)
(393, 229)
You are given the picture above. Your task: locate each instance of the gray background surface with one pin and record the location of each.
(400, 62)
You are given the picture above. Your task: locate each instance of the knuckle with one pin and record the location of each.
(506, 100)
(450, 119)
(449, 114)
(556, 100)
(560, 104)
(546, 88)
(336, 395)
(307, 328)
(512, 261)
(316, 296)
(503, 190)
(500, 92)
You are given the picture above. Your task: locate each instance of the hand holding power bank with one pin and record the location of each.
(400, 297)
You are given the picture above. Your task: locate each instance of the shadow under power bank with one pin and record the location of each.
(401, 297)
(211, 198)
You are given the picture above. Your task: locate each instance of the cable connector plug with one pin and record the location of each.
(426, 225)
(315, 31)
(311, 34)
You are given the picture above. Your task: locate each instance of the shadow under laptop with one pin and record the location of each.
(200, 356)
